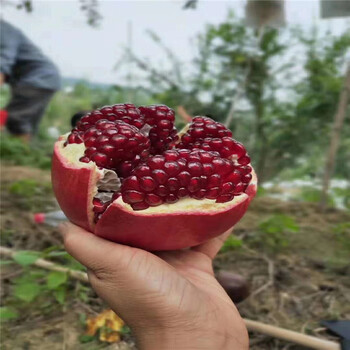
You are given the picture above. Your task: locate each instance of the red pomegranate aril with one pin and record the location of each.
(171, 168)
(140, 206)
(133, 197)
(161, 191)
(119, 140)
(100, 159)
(246, 178)
(184, 178)
(194, 185)
(246, 169)
(213, 193)
(156, 162)
(171, 198)
(173, 184)
(90, 142)
(90, 151)
(208, 169)
(238, 149)
(182, 192)
(214, 181)
(132, 183)
(199, 194)
(195, 168)
(108, 150)
(85, 159)
(228, 187)
(153, 199)
(98, 206)
(147, 183)
(142, 170)
(245, 160)
(160, 176)
(224, 198)
(239, 188)
(234, 177)
(170, 155)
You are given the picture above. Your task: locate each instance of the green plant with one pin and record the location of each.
(14, 151)
(273, 233)
(7, 313)
(231, 243)
(342, 234)
(313, 195)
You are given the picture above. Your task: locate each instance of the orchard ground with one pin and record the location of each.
(294, 256)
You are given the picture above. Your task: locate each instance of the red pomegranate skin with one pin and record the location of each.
(71, 187)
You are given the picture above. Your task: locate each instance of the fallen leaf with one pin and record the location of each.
(108, 324)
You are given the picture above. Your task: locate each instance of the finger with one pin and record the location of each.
(212, 247)
(90, 250)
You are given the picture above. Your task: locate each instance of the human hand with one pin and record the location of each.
(170, 300)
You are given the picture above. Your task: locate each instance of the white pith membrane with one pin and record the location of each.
(109, 183)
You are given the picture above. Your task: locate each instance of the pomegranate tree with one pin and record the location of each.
(125, 174)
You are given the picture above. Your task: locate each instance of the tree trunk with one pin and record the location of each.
(335, 138)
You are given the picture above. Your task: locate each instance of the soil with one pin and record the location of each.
(304, 283)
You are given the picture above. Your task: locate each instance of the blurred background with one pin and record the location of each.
(276, 73)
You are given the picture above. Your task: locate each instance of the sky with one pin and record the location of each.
(59, 28)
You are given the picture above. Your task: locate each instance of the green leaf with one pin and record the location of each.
(60, 295)
(55, 279)
(7, 313)
(27, 291)
(26, 258)
(86, 338)
(6, 262)
(231, 243)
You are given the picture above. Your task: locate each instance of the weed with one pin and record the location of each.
(231, 243)
(273, 233)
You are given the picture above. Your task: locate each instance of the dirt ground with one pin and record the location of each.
(295, 288)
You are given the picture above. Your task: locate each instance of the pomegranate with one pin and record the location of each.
(125, 174)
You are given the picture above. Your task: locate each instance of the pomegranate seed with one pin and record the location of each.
(182, 192)
(153, 199)
(161, 191)
(195, 168)
(184, 178)
(213, 193)
(85, 159)
(162, 134)
(245, 160)
(147, 183)
(171, 168)
(140, 206)
(132, 197)
(173, 184)
(224, 198)
(171, 198)
(160, 176)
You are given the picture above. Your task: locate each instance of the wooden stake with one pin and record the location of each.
(291, 336)
(253, 326)
(335, 138)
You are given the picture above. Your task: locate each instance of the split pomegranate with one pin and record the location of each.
(125, 174)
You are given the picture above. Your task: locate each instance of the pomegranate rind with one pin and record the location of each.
(74, 185)
(171, 231)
